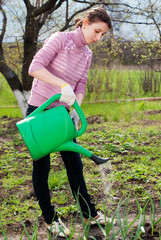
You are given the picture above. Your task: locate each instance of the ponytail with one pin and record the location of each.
(95, 15)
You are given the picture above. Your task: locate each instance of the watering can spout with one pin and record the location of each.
(74, 147)
(99, 160)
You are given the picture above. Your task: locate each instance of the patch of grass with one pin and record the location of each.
(60, 198)
(12, 181)
(57, 180)
(122, 111)
(14, 209)
(105, 84)
(68, 210)
(10, 112)
(7, 97)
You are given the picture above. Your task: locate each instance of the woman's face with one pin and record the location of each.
(93, 32)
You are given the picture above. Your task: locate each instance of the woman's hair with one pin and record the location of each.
(95, 15)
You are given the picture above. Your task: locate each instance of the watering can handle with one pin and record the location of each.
(75, 105)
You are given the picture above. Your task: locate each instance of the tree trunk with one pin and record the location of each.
(21, 99)
(30, 48)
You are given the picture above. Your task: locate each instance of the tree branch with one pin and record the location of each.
(47, 13)
(71, 17)
(77, 12)
(132, 22)
(15, 12)
(7, 72)
(67, 6)
(48, 7)
(28, 5)
(84, 1)
(44, 16)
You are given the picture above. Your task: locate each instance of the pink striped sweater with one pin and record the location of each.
(67, 56)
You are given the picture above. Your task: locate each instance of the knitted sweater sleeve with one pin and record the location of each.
(45, 55)
(81, 85)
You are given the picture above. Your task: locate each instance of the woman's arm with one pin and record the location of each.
(38, 67)
(67, 94)
(45, 76)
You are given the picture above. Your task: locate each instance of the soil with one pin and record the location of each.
(14, 230)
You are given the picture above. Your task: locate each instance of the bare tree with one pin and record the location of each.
(40, 12)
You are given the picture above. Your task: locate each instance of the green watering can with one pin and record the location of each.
(45, 132)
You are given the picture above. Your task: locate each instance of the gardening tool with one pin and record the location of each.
(53, 130)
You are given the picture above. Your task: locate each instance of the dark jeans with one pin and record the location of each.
(74, 168)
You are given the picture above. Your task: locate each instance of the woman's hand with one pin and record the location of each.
(68, 95)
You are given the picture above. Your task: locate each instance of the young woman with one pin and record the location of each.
(61, 66)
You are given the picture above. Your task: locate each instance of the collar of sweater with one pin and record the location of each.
(78, 37)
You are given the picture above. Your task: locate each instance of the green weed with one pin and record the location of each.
(12, 181)
(57, 180)
(60, 197)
